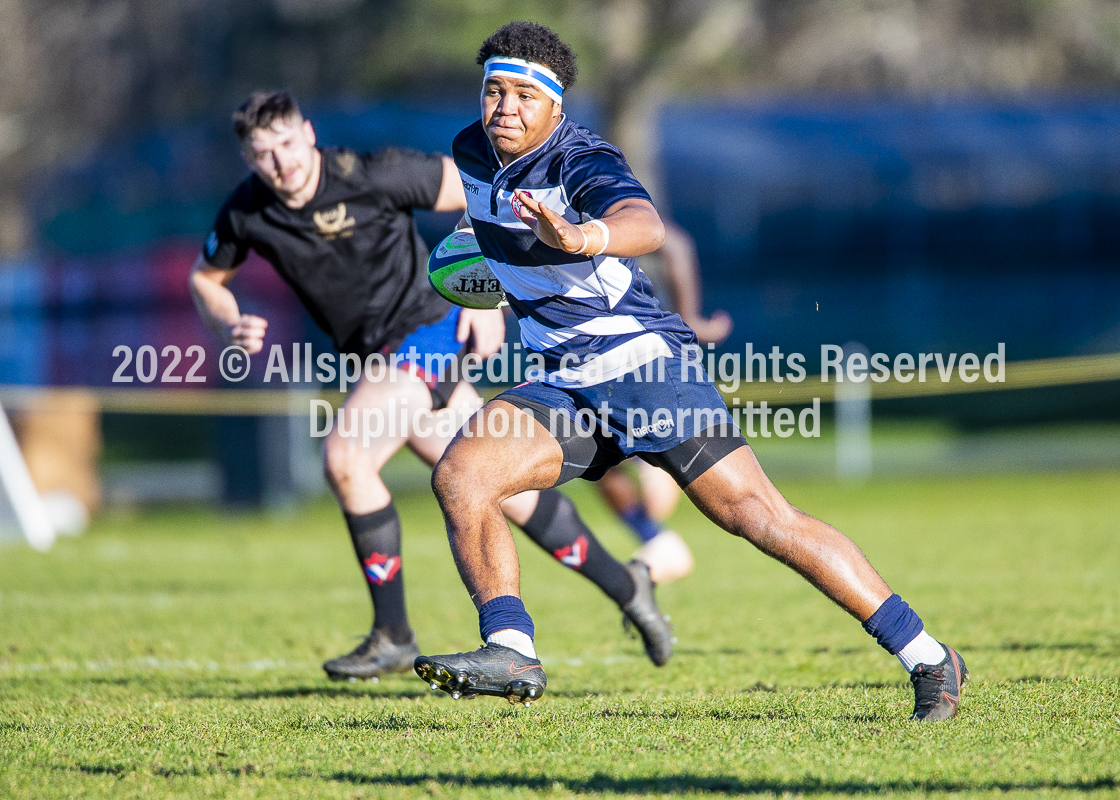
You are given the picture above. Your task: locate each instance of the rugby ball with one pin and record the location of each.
(459, 272)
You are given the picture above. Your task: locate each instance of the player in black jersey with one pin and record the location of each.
(337, 226)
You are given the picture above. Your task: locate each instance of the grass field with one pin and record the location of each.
(176, 654)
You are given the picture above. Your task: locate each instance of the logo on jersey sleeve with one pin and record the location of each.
(346, 162)
(211, 244)
(333, 222)
(381, 568)
(574, 554)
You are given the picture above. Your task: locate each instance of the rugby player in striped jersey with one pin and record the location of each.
(560, 218)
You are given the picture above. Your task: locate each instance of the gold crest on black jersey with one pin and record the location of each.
(333, 222)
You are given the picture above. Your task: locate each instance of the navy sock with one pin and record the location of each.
(377, 544)
(556, 526)
(502, 613)
(644, 526)
(894, 625)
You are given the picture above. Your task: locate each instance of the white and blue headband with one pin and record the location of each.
(537, 74)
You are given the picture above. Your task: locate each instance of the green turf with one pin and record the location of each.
(176, 655)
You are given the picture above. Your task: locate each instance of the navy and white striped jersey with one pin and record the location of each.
(591, 318)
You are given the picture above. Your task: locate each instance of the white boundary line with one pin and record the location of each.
(153, 664)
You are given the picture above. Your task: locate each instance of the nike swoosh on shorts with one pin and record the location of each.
(684, 467)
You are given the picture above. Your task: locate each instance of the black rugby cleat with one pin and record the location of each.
(492, 670)
(374, 657)
(642, 612)
(937, 688)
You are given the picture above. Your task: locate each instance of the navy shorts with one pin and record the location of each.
(654, 412)
(429, 352)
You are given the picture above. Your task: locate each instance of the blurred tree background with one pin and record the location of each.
(75, 73)
(916, 175)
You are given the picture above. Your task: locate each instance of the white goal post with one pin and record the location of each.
(21, 507)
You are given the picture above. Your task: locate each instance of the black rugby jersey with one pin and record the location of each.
(352, 253)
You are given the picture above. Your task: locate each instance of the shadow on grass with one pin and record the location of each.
(683, 783)
(754, 688)
(398, 723)
(1108, 648)
(359, 690)
(581, 694)
(1016, 647)
(767, 651)
(686, 783)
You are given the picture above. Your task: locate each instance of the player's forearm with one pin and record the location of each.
(451, 194)
(633, 229)
(215, 303)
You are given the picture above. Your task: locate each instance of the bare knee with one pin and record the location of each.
(337, 464)
(444, 484)
(348, 468)
(455, 483)
(460, 485)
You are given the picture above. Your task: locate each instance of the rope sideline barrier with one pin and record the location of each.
(1035, 374)
(1040, 373)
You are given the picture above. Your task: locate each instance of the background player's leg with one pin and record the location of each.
(430, 441)
(666, 553)
(555, 526)
(353, 464)
(643, 505)
(659, 492)
(620, 491)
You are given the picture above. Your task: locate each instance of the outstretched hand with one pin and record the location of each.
(549, 227)
(248, 332)
(714, 329)
(485, 328)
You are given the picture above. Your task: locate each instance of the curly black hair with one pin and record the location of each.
(532, 42)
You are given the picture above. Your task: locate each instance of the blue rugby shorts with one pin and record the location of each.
(673, 419)
(436, 348)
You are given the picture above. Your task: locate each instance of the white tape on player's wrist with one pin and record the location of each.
(606, 235)
(583, 247)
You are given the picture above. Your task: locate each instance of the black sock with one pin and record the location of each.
(557, 527)
(377, 544)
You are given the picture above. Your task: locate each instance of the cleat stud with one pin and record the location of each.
(434, 685)
(351, 680)
(527, 703)
(454, 695)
